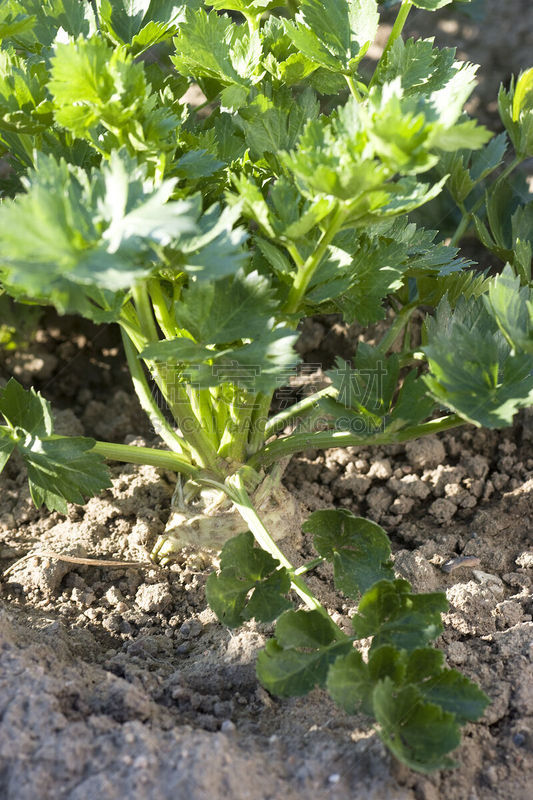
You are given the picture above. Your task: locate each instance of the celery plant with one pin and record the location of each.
(208, 233)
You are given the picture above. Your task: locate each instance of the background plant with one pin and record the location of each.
(207, 234)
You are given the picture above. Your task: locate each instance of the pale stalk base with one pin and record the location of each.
(198, 528)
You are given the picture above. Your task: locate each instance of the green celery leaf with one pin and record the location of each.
(217, 249)
(85, 77)
(63, 470)
(388, 662)
(259, 366)
(523, 96)
(151, 34)
(335, 33)
(275, 257)
(457, 694)
(519, 128)
(73, 235)
(123, 19)
(298, 659)
(420, 66)
(361, 269)
(358, 548)
(432, 289)
(7, 445)
(351, 681)
(140, 24)
(510, 304)
(423, 255)
(309, 216)
(420, 734)
(220, 312)
(511, 228)
(393, 615)
(460, 182)
(212, 46)
(283, 213)
(294, 69)
(433, 5)
(413, 404)
(230, 144)
(244, 569)
(254, 206)
(96, 85)
(49, 16)
(197, 164)
(182, 350)
(60, 469)
(501, 205)
(364, 403)
(374, 271)
(26, 409)
(446, 688)
(334, 157)
(325, 82)
(354, 154)
(429, 84)
(274, 125)
(268, 361)
(371, 384)
(24, 101)
(486, 160)
(418, 704)
(467, 134)
(252, 8)
(472, 367)
(13, 22)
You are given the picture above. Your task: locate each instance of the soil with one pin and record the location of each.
(118, 681)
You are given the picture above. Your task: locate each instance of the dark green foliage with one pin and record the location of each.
(298, 659)
(246, 569)
(60, 469)
(359, 549)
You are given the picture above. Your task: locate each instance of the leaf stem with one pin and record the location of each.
(197, 439)
(146, 455)
(307, 270)
(162, 314)
(297, 442)
(396, 327)
(353, 88)
(144, 311)
(295, 255)
(146, 399)
(316, 562)
(395, 33)
(175, 394)
(259, 422)
(243, 503)
(304, 406)
(254, 23)
(235, 437)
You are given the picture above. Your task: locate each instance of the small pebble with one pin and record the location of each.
(460, 561)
